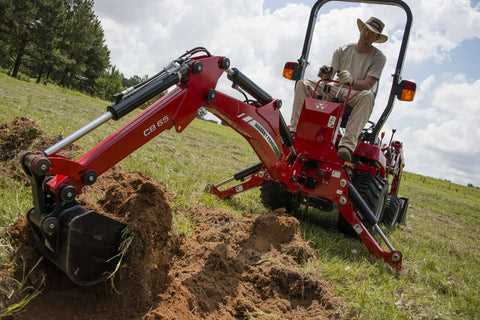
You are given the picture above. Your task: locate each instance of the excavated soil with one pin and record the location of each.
(229, 267)
(20, 135)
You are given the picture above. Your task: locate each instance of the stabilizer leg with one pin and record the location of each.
(391, 256)
(255, 175)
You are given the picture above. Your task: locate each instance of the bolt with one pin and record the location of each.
(67, 193)
(89, 177)
(49, 225)
(396, 257)
(224, 63)
(211, 95)
(343, 183)
(43, 167)
(197, 67)
(343, 200)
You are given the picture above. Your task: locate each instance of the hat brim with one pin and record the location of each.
(381, 37)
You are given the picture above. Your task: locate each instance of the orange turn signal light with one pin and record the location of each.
(289, 70)
(406, 90)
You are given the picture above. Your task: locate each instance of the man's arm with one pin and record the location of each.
(373, 75)
(365, 84)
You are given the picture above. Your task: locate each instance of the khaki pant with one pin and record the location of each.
(361, 102)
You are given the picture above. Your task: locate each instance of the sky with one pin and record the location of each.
(440, 129)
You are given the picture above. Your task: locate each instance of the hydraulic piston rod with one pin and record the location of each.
(79, 133)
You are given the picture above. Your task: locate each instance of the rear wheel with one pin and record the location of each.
(275, 196)
(373, 190)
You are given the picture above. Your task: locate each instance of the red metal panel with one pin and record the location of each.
(317, 129)
(372, 152)
(259, 126)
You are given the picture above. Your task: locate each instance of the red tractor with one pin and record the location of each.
(292, 170)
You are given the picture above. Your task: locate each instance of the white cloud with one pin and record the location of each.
(444, 143)
(145, 36)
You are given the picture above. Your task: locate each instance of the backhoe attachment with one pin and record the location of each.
(79, 241)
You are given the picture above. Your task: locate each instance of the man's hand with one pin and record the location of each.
(345, 77)
(325, 73)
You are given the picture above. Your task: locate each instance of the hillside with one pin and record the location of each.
(441, 273)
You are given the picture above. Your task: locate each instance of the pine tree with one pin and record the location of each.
(83, 45)
(109, 83)
(46, 36)
(17, 23)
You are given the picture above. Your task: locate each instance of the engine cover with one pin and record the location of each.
(317, 128)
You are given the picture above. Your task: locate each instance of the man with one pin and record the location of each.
(360, 65)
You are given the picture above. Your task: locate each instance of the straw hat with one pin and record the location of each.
(376, 26)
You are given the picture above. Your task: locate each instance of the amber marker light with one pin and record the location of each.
(407, 90)
(289, 70)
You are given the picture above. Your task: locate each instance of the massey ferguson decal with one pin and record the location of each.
(263, 132)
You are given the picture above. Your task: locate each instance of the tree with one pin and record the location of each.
(61, 40)
(18, 21)
(133, 80)
(97, 57)
(46, 36)
(84, 46)
(109, 83)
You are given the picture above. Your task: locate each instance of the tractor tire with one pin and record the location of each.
(373, 190)
(275, 196)
(391, 212)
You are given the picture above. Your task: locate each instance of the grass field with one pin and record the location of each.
(441, 276)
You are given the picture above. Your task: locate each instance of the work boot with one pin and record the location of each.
(345, 154)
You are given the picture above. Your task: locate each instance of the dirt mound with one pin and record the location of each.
(19, 135)
(243, 268)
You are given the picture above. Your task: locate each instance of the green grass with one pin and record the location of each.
(441, 273)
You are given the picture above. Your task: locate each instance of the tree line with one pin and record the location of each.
(59, 41)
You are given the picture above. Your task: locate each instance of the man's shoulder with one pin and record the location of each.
(346, 47)
(379, 54)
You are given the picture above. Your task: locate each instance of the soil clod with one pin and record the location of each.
(23, 134)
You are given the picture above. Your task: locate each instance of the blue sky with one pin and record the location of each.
(464, 59)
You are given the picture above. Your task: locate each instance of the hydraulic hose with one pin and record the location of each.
(249, 86)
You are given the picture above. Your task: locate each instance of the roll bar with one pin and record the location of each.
(303, 60)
